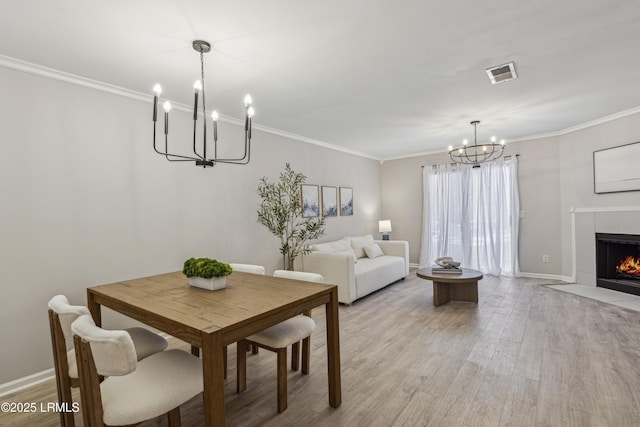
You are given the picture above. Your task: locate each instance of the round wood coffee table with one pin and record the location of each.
(448, 286)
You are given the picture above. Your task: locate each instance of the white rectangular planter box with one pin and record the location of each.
(211, 284)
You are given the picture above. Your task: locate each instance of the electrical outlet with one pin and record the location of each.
(545, 258)
(522, 214)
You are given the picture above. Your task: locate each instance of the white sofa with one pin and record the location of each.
(345, 263)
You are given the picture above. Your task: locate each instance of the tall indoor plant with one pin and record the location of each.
(281, 212)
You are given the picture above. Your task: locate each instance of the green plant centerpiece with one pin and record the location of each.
(281, 212)
(206, 273)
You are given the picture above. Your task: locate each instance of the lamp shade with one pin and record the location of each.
(384, 226)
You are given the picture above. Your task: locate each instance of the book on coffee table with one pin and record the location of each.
(443, 270)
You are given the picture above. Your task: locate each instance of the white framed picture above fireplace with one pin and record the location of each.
(616, 169)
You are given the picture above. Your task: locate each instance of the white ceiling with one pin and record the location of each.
(387, 78)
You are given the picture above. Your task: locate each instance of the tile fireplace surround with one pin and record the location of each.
(585, 224)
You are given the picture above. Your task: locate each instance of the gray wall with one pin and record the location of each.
(576, 179)
(556, 173)
(85, 201)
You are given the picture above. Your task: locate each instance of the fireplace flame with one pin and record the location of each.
(629, 266)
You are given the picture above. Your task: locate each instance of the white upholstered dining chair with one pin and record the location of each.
(134, 391)
(61, 316)
(277, 338)
(248, 268)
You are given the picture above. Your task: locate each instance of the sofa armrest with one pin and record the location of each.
(336, 269)
(396, 248)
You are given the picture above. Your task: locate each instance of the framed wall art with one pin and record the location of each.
(329, 201)
(346, 201)
(310, 201)
(616, 169)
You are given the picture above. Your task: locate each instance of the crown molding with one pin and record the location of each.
(565, 131)
(51, 73)
(28, 67)
(39, 70)
(314, 142)
(580, 126)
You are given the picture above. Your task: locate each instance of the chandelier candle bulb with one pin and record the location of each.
(167, 108)
(196, 90)
(157, 90)
(214, 117)
(250, 113)
(247, 105)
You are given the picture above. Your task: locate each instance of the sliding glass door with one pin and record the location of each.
(472, 215)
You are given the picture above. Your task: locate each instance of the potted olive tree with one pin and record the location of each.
(206, 273)
(281, 212)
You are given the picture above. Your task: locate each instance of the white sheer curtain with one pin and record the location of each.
(472, 215)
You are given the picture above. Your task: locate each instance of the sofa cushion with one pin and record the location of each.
(373, 250)
(335, 246)
(372, 274)
(349, 252)
(359, 242)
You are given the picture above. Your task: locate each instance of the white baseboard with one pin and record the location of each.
(547, 277)
(528, 275)
(39, 377)
(26, 382)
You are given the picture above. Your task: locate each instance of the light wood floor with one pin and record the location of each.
(526, 355)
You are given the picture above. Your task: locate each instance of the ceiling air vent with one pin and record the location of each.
(502, 73)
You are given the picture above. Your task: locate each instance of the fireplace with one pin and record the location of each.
(618, 262)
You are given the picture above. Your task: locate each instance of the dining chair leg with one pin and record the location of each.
(282, 379)
(66, 400)
(295, 356)
(254, 349)
(173, 417)
(63, 382)
(306, 355)
(241, 367)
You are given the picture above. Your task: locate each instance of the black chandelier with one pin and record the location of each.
(476, 153)
(201, 159)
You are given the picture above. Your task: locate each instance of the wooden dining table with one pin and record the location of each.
(211, 320)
